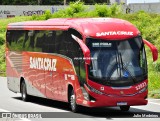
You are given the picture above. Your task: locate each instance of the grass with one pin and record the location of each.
(3, 26)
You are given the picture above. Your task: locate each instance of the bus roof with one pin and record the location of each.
(104, 28)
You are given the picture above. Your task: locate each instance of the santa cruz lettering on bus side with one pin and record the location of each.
(46, 64)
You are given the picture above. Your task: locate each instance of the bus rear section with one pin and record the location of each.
(93, 62)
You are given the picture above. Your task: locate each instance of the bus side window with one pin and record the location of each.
(73, 51)
(20, 39)
(72, 46)
(26, 37)
(59, 43)
(8, 38)
(39, 41)
(15, 39)
(82, 69)
(50, 41)
(29, 41)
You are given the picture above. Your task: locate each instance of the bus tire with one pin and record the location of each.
(24, 95)
(124, 108)
(72, 101)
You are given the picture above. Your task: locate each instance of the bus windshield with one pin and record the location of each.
(117, 63)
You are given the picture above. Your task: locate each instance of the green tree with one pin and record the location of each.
(91, 1)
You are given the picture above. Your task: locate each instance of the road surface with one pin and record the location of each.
(11, 104)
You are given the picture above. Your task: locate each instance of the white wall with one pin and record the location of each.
(7, 11)
(119, 1)
(148, 7)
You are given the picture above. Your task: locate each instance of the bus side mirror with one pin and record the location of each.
(153, 49)
(87, 55)
(86, 51)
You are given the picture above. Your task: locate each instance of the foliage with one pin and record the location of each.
(148, 24)
(155, 93)
(79, 10)
(2, 39)
(102, 10)
(71, 11)
(2, 60)
(3, 26)
(45, 16)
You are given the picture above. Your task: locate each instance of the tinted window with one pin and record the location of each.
(50, 46)
(75, 52)
(60, 42)
(15, 40)
(117, 62)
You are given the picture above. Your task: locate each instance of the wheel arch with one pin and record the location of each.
(21, 80)
(70, 88)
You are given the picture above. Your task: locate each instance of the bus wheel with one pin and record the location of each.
(72, 101)
(124, 108)
(24, 92)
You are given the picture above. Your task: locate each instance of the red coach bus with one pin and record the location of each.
(93, 62)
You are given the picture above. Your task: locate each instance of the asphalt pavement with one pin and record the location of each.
(12, 108)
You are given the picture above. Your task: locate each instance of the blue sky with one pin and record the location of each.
(142, 1)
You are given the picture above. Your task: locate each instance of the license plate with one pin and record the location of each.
(121, 103)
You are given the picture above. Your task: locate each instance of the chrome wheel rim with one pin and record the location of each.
(23, 92)
(73, 102)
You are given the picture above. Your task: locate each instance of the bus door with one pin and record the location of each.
(80, 66)
(82, 73)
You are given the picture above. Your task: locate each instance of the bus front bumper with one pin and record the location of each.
(104, 101)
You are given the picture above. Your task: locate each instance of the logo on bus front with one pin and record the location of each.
(99, 34)
(46, 64)
(101, 44)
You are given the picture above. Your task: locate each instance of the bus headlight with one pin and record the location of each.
(144, 89)
(95, 90)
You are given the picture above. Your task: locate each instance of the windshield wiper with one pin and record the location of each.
(125, 68)
(118, 68)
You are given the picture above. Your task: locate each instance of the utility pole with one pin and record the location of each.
(65, 2)
(39, 2)
(108, 2)
(126, 2)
